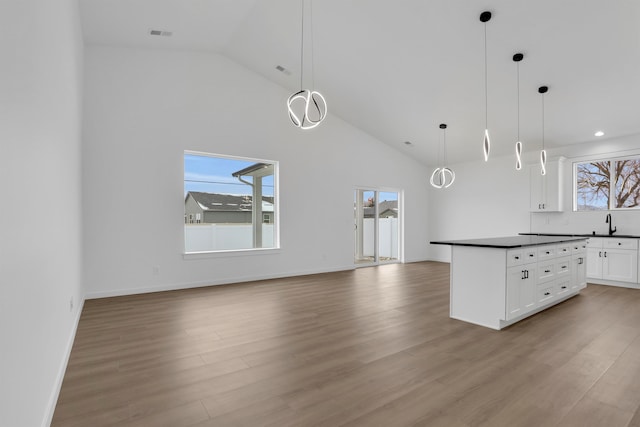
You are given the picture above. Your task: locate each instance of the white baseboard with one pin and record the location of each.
(53, 400)
(214, 282)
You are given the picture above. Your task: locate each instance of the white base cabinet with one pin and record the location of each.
(496, 287)
(612, 261)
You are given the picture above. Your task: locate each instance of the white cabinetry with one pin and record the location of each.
(579, 265)
(521, 287)
(496, 287)
(546, 190)
(611, 260)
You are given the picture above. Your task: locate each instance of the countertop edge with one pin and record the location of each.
(479, 244)
(586, 236)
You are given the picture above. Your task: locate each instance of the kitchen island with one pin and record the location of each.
(496, 282)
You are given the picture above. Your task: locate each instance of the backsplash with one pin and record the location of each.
(626, 222)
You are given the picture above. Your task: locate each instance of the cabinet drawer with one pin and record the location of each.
(563, 266)
(514, 257)
(579, 247)
(530, 255)
(595, 242)
(563, 250)
(548, 251)
(545, 294)
(620, 244)
(563, 287)
(546, 271)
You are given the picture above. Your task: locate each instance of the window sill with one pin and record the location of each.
(231, 253)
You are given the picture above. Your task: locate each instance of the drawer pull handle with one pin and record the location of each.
(619, 243)
(531, 255)
(547, 294)
(580, 260)
(547, 271)
(517, 257)
(605, 254)
(564, 266)
(564, 287)
(547, 252)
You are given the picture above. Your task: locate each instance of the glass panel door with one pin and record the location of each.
(388, 226)
(365, 227)
(377, 227)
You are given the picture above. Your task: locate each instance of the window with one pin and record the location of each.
(230, 198)
(607, 184)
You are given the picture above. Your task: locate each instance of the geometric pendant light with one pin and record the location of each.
(517, 58)
(307, 107)
(443, 177)
(486, 143)
(543, 153)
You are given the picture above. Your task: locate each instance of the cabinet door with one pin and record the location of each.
(594, 262)
(620, 265)
(521, 290)
(578, 272)
(546, 190)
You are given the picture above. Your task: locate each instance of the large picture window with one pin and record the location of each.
(230, 203)
(607, 184)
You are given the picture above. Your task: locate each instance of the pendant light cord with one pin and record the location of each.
(311, 29)
(486, 100)
(518, 78)
(543, 121)
(444, 147)
(302, 48)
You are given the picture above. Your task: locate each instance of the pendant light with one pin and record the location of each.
(517, 58)
(486, 143)
(443, 177)
(307, 107)
(543, 153)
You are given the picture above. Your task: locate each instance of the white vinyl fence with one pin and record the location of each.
(388, 236)
(217, 237)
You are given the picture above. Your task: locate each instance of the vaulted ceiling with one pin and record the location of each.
(397, 69)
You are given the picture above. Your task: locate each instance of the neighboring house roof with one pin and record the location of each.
(228, 202)
(383, 208)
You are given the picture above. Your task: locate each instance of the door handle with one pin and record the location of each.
(605, 254)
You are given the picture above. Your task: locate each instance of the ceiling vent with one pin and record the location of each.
(283, 70)
(160, 33)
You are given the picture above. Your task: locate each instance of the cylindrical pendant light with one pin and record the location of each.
(543, 153)
(517, 58)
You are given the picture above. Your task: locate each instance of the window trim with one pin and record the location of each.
(276, 211)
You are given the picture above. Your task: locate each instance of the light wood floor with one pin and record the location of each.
(370, 347)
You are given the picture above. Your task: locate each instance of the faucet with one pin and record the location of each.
(610, 222)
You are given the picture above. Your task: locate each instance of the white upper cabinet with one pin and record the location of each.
(546, 190)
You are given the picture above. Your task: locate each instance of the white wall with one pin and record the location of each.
(40, 232)
(492, 199)
(486, 200)
(145, 107)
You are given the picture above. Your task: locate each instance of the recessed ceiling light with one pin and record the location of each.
(599, 133)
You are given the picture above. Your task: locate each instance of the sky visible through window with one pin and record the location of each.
(214, 175)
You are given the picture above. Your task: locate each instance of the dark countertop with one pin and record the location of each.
(510, 241)
(623, 236)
